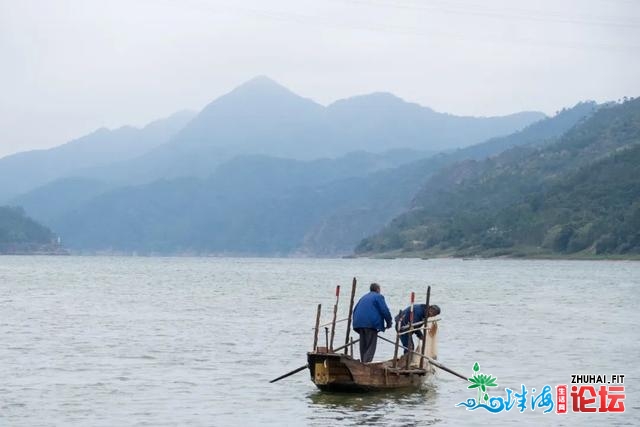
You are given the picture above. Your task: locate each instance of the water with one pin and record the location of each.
(194, 341)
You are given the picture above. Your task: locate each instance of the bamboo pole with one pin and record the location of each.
(430, 360)
(337, 321)
(306, 365)
(353, 295)
(395, 350)
(352, 343)
(405, 329)
(410, 341)
(335, 315)
(288, 374)
(315, 332)
(425, 328)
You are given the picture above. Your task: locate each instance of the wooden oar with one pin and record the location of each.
(288, 374)
(430, 360)
(295, 371)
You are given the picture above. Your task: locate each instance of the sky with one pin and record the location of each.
(68, 67)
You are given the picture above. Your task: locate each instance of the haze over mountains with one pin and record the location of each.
(25, 171)
(262, 205)
(258, 117)
(260, 171)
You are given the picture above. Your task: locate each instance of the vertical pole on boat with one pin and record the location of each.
(425, 329)
(395, 351)
(410, 333)
(353, 295)
(316, 330)
(335, 314)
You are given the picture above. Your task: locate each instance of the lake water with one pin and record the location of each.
(106, 341)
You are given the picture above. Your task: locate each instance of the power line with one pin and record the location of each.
(519, 14)
(324, 22)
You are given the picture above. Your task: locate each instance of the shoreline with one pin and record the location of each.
(380, 256)
(511, 256)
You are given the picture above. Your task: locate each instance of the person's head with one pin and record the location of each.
(374, 288)
(434, 310)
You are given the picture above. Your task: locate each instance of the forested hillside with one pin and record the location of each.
(19, 234)
(578, 196)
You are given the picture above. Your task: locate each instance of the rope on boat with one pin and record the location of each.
(331, 323)
(405, 328)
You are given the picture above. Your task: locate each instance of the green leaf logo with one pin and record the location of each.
(482, 382)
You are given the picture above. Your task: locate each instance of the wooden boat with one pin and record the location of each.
(337, 370)
(333, 370)
(343, 373)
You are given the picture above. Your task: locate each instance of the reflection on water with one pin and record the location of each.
(365, 401)
(374, 408)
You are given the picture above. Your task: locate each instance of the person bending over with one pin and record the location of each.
(402, 320)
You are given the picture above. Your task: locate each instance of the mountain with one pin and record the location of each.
(263, 117)
(577, 195)
(20, 234)
(374, 200)
(259, 205)
(55, 199)
(538, 133)
(25, 171)
(381, 121)
(260, 117)
(250, 205)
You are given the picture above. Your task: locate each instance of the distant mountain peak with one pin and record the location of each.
(377, 100)
(371, 97)
(381, 95)
(261, 92)
(262, 80)
(261, 85)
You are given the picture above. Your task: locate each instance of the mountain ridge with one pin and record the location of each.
(22, 172)
(260, 205)
(260, 116)
(531, 199)
(264, 117)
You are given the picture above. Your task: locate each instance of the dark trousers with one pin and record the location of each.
(368, 341)
(407, 340)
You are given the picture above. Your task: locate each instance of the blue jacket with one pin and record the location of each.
(371, 312)
(419, 311)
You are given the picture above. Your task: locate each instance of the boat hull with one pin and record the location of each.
(341, 373)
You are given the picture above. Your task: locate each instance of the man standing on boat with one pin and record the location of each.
(369, 317)
(419, 311)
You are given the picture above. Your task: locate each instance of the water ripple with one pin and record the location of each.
(194, 341)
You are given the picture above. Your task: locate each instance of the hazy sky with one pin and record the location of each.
(68, 67)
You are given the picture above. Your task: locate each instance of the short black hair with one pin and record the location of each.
(374, 287)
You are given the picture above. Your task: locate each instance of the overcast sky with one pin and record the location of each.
(69, 67)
